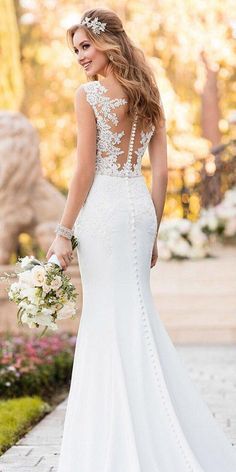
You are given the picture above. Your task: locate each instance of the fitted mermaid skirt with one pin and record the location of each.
(132, 406)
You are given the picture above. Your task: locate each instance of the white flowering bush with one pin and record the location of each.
(43, 293)
(221, 219)
(180, 238)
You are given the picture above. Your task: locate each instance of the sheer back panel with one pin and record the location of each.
(114, 132)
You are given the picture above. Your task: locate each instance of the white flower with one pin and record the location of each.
(53, 326)
(173, 234)
(46, 288)
(47, 311)
(23, 304)
(67, 311)
(230, 228)
(179, 247)
(196, 236)
(163, 251)
(56, 283)
(197, 252)
(30, 293)
(26, 260)
(230, 196)
(38, 275)
(212, 223)
(28, 318)
(29, 308)
(15, 288)
(183, 225)
(43, 319)
(225, 212)
(26, 278)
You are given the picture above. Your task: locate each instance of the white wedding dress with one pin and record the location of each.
(132, 406)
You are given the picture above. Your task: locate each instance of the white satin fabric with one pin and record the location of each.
(132, 406)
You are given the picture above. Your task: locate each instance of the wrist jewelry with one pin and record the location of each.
(63, 231)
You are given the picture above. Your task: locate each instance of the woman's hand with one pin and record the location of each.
(62, 248)
(154, 253)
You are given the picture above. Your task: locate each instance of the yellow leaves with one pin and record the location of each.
(11, 79)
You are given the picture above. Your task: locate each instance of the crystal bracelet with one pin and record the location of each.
(63, 231)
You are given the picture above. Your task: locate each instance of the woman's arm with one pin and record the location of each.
(82, 178)
(85, 160)
(159, 168)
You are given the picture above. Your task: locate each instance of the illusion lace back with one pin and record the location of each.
(132, 406)
(113, 134)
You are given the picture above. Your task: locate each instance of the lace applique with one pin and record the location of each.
(145, 138)
(108, 202)
(96, 98)
(108, 140)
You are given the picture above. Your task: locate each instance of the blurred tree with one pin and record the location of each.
(11, 79)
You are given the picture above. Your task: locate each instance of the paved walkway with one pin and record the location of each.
(212, 368)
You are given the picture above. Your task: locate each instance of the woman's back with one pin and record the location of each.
(116, 139)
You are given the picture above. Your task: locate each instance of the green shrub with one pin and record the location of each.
(17, 416)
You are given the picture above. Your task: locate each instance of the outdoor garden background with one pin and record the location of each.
(192, 47)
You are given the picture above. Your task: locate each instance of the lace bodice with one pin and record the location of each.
(120, 144)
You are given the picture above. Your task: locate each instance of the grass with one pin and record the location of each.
(17, 416)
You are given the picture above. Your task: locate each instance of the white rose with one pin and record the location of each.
(38, 275)
(46, 288)
(56, 283)
(26, 278)
(67, 311)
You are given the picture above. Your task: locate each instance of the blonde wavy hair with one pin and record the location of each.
(129, 65)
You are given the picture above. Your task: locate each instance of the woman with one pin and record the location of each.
(131, 406)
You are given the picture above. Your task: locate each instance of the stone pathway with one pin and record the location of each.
(196, 300)
(212, 368)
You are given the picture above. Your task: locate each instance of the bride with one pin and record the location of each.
(131, 405)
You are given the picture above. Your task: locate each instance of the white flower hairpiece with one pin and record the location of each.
(95, 24)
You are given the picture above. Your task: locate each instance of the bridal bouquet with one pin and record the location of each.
(43, 293)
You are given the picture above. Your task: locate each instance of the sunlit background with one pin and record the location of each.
(193, 54)
(191, 46)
